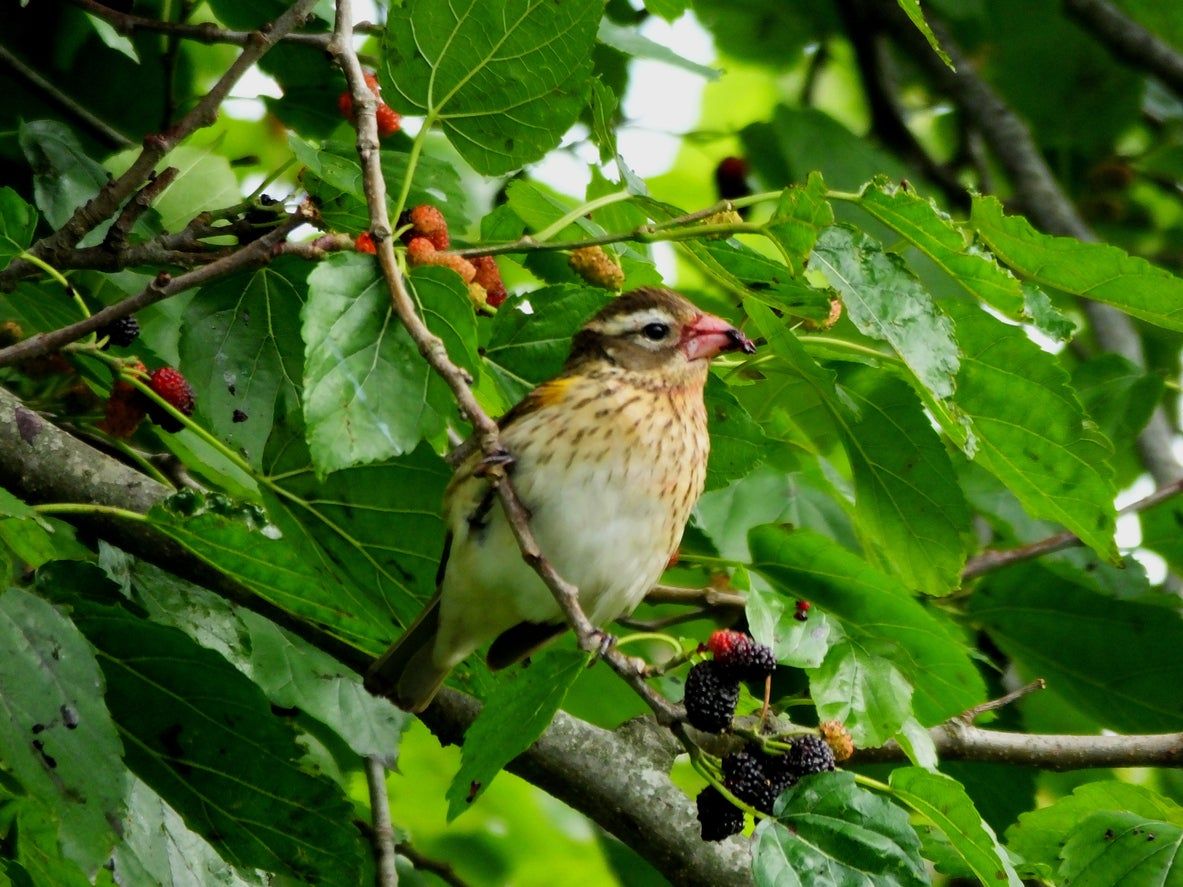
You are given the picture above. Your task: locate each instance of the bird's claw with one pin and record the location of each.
(603, 643)
(495, 464)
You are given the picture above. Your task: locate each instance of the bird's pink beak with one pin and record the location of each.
(708, 335)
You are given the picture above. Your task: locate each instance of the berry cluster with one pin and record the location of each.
(757, 778)
(388, 120)
(427, 240)
(712, 687)
(597, 267)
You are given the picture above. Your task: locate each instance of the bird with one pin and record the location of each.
(608, 457)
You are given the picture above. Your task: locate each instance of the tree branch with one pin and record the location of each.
(112, 195)
(260, 252)
(437, 867)
(207, 32)
(432, 348)
(383, 837)
(1129, 41)
(996, 559)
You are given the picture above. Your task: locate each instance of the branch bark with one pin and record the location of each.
(1129, 41)
(383, 838)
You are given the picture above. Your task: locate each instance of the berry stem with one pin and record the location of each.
(60, 278)
(267, 182)
(829, 343)
(578, 213)
(89, 508)
(875, 784)
(651, 636)
(705, 768)
(412, 161)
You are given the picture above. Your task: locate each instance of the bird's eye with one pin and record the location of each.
(655, 331)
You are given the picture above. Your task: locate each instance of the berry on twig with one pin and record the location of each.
(595, 266)
(718, 818)
(710, 697)
(122, 331)
(741, 656)
(174, 389)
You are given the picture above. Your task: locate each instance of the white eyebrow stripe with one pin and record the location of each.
(628, 323)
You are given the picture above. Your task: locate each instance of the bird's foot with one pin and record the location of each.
(495, 465)
(603, 642)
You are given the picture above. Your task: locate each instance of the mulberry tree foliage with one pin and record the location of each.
(955, 234)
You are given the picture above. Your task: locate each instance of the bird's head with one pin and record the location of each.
(658, 332)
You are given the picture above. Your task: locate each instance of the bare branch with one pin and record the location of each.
(709, 597)
(432, 348)
(96, 124)
(1129, 41)
(437, 867)
(972, 714)
(991, 560)
(116, 238)
(383, 837)
(112, 195)
(260, 252)
(206, 32)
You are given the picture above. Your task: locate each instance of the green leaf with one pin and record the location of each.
(505, 80)
(532, 334)
(1117, 847)
(203, 737)
(18, 222)
(801, 213)
(1117, 395)
(64, 177)
(1115, 660)
(515, 714)
(56, 735)
(772, 622)
(292, 673)
(280, 569)
(1095, 271)
(1056, 467)
(604, 109)
(830, 831)
(738, 444)
(632, 43)
(111, 38)
(377, 527)
(205, 181)
(935, 234)
(875, 610)
(913, 11)
(943, 801)
(864, 691)
(240, 347)
(907, 499)
(368, 393)
(158, 848)
(1039, 835)
(887, 303)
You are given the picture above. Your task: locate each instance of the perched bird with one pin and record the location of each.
(609, 457)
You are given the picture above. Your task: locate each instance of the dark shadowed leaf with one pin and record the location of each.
(18, 221)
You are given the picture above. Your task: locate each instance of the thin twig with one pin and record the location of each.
(437, 867)
(972, 714)
(668, 621)
(97, 125)
(207, 32)
(991, 560)
(116, 238)
(260, 252)
(1129, 41)
(385, 850)
(112, 195)
(709, 597)
(432, 348)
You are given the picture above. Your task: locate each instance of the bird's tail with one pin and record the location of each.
(406, 673)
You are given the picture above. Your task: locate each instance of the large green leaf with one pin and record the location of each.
(944, 802)
(368, 393)
(377, 526)
(515, 714)
(1040, 834)
(829, 831)
(864, 691)
(203, 736)
(1093, 270)
(18, 221)
(875, 610)
(1055, 466)
(204, 182)
(800, 215)
(1118, 847)
(887, 303)
(935, 234)
(56, 735)
(240, 346)
(505, 80)
(64, 176)
(909, 508)
(1117, 661)
(738, 444)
